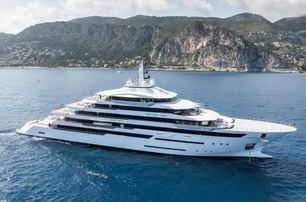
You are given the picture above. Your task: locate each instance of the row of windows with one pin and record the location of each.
(99, 131)
(182, 141)
(124, 116)
(184, 112)
(156, 128)
(132, 99)
(165, 148)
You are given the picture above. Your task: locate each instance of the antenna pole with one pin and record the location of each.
(140, 73)
(163, 79)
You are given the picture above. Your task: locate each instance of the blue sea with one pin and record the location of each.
(33, 169)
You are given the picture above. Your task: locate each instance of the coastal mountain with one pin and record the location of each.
(4, 37)
(293, 24)
(296, 25)
(242, 41)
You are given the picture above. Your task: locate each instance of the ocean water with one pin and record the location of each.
(34, 169)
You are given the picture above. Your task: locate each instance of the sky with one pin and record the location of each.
(16, 15)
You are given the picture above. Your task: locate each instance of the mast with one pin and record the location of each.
(143, 79)
(140, 73)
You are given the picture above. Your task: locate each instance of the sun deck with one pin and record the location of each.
(261, 126)
(153, 92)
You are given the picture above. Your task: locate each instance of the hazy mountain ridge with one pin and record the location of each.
(245, 40)
(4, 37)
(294, 24)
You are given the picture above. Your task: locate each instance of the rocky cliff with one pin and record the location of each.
(202, 44)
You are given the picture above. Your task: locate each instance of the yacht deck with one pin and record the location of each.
(261, 126)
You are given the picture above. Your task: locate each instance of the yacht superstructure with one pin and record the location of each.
(143, 117)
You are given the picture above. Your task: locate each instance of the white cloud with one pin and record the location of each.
(272, 9)
(76, 5)
(38, 11)
(19, 14)
(79, 8)
(200, 6)
(25, 15)
(156, 5)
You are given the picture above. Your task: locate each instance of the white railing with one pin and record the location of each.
(266, 120)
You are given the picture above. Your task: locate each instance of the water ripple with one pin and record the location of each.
(37, 169)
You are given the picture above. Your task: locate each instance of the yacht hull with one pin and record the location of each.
(179, 144)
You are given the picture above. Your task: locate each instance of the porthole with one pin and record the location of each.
(213, 143)
(226, 143)
(221, 143)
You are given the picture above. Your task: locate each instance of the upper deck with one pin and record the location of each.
(141, 89)
(145, 94)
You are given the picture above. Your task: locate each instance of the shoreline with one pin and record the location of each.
(166, 68)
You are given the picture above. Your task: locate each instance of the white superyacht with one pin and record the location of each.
(143, 117)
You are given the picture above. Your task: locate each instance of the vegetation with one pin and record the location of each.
(106, 41)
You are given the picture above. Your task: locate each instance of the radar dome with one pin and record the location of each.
(144, 83)
(152, 82)
(129, 82)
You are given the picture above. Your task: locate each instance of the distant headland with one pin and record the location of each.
(244, 42)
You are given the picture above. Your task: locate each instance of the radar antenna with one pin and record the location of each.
(143, 79)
